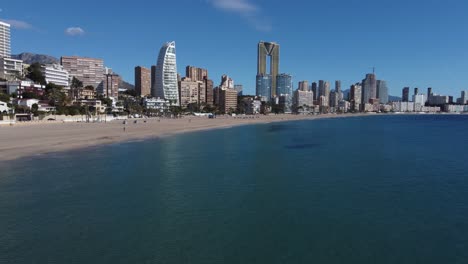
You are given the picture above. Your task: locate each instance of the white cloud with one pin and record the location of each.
(74, 31)
(18, 24)
(247, 10)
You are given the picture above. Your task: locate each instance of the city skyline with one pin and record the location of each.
(405, 52)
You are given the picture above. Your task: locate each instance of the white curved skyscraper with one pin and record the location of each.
(166, 74)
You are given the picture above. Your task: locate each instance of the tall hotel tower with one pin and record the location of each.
(165, 85)
(272, 50)
(5, 51)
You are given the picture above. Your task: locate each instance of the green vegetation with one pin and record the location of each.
(34, 72)
(4, 97)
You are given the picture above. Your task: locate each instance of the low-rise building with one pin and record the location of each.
(156, 104)
(97, 104)
(56, 74)
(10, 69)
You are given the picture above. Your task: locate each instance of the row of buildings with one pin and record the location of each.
(162, 83)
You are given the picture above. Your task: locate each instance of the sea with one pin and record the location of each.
(374, 189)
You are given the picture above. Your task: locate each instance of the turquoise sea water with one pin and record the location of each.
(383, 189)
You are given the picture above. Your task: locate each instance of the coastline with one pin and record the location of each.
(29, 140)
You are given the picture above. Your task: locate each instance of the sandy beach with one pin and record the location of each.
(30, 139)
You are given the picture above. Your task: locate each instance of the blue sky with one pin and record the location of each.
(411, 43)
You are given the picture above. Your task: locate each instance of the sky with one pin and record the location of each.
(411, 43)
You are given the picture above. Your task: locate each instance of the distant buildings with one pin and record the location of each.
(324, 90)
(355, 97)
(110, 86)
(190, 92)
(272, 50)
(56, 74)
(196, 74)
(263, 87)
(225, 95)
(463, 98)
(5, 49)
(88, 70)
(314, 90)
(405, 94)
(303, 86)
(285, 91)
(239, 88)
(303, 99)
(382, 91)
(143, 81)
(165, 86)
(369, 88)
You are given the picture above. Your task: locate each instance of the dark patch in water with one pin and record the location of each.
(302, 146)
(278, 128)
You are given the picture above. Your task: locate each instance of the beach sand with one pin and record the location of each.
(30, 139)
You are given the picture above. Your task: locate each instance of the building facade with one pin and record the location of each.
(196, 74)
(369, 88)
(272, 50)
(166, 86)
(263, 87)
(285, 91)
(382, 91)
(143, 81)
(189, 92)
(405, 94)
(90, 71)
(10, 69)
(5, 42)
(355, 97)
(110, 86)
(56, 74)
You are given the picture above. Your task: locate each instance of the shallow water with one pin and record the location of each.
(383, 189)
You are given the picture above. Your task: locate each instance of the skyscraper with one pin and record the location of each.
(369, 88)
(339, 94)
(355, 97)
(314, 90)
(324, 90)
(405, 94)
(285, 89)
(272, 50)
(5, 48)
(382, 91)
(263, 87)
(142, 81)
(303, 86)
(166, 74)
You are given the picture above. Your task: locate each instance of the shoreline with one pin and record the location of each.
(39, 139)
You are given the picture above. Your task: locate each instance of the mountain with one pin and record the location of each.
(125, 85)
(30, 58)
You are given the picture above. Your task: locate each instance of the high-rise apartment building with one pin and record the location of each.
(314, 90)
(153, 80)
(369, 88)
(405, 94)
(272, 50)
(110, 86)
(209, 86)
(90, 71)
(189, 92)
(195, 73)
(303, 86)
(143, 81)
(285, 90)
(355, 97)
(263, 87)
(382, 91)
(324, 90)
(303, 99)
(5, 48)
(166, 86)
